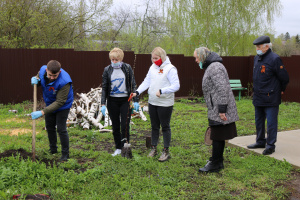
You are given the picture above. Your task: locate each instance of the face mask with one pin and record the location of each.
(200, 65)
(259, 52)
(115, 64)
(158, 62)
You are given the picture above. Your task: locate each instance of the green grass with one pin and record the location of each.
(92, 173)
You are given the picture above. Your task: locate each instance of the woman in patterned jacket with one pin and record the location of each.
(222, 111)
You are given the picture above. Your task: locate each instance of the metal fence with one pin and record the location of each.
(17, 66)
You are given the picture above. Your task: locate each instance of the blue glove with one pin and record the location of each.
(136, 106)
(34, 80)
(36, 114)
(103, 109)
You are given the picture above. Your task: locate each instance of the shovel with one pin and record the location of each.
(126, 150)
(33, 122)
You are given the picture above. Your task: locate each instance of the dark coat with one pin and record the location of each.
(106, 81)
(270, 78)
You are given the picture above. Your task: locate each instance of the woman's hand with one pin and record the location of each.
(133, 94)
(223, 116)
(158, 93)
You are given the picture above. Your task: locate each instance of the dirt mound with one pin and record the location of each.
(22, 152)
(32, 197)
(24, 155)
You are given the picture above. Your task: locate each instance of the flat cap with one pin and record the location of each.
(261, 40)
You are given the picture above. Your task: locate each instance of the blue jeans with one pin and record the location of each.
(271, 114)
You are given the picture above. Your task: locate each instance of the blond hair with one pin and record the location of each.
(160, 52)
(116, 53)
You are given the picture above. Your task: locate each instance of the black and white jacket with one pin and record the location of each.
(217, 92)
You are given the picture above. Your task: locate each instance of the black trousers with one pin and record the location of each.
(160, 116)
(120, 114)
(218, 150)
(58, 122)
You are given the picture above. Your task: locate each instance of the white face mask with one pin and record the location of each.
(259, 52)
(115, 64)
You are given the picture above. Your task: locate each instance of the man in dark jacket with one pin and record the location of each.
(270, 79)
(58, 95)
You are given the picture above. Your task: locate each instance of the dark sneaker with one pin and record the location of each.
(153, 152)
(52, 151)
(64, 157)
(164, 156)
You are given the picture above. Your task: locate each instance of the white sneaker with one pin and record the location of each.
(117, 152)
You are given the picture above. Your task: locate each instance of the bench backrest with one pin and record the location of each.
(235, 83)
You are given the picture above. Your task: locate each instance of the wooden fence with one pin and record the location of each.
(17, 66)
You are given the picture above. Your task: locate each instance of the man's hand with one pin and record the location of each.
(34, 81)
(36, 114)
(103, 109)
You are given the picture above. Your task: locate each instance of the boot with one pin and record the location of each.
(165, 155)
(212, 166)
(53, 151)
(153, 152)
(64, 157)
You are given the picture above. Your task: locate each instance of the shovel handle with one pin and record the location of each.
(33, 122)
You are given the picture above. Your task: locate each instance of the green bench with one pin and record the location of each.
(236, 84)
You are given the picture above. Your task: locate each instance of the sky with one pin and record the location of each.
(290, 18)
(289, 21)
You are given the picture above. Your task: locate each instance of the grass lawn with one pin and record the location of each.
(92, 173)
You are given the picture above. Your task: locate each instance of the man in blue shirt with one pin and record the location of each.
(57, 89)
(270, 79)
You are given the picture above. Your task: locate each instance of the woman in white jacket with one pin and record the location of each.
(162, 82)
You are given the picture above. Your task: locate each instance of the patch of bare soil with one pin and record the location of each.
(17, 131)
(24, 155)
(20, 131)
(16, 120)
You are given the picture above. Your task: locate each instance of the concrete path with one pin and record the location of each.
(287, 146)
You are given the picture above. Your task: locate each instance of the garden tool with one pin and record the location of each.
(33, 122)
(126, 150)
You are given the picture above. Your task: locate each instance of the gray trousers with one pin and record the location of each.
(160, 117)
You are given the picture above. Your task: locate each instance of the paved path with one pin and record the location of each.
(287, 146)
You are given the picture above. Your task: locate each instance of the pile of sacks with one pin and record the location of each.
(86, 112)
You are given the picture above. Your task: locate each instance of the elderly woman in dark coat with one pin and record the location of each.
(222, 111)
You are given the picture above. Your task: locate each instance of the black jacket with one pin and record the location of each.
(270, 78)
(106, 82)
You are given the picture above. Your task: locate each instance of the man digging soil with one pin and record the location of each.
(58, 95)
